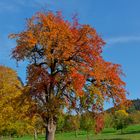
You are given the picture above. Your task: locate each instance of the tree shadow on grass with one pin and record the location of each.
(111, 131)
(131, 132)
(128, 132)
(115, 139)
(124, 133)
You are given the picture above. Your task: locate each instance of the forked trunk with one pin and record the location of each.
(50, 130)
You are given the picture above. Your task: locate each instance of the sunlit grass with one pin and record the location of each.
(130, 133)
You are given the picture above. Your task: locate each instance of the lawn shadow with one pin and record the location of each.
(131, 132)
(111, 131)
(115, 139)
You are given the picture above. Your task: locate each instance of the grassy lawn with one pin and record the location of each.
(130, 133)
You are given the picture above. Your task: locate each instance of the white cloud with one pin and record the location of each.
(122, 39)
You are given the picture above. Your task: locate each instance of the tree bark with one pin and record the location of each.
(50, 130)
(75, 133)
(87, 136)
(35, 134)
(1, 137)
(121, 131)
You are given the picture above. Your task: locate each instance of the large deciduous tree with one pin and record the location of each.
(65, 68)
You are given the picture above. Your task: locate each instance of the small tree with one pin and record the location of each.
(72, 123)
(108, 120)
(75, 123)
(135, 117)
(121, 120)
(87, 123)
(61, 122)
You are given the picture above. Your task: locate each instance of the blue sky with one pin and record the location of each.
(117, 21)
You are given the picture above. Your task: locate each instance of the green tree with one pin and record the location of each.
(61, 122)
(72, 123)
(121, 120)
(87, 123)
(108, 120)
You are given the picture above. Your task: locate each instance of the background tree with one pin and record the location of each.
(108, 120)
(99, 123)
(75, 122)
(34, 126)
(72, 123)
(65, 68)
(32, 122)
(87, 123)
(61, 122)
(9, 91)
(121, 120)
(13, 118)
(135, 117)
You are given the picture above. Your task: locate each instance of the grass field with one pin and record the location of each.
(130, 133)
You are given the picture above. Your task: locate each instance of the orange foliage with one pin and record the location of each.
(99, 123)
(66, 66)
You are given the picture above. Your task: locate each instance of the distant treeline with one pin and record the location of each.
(135, 106)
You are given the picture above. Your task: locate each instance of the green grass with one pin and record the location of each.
(130, 133)
(107, 134)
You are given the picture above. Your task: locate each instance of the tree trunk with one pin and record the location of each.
(50, 130)
(121, 131)
(1, 137)
(75, 133)
(10, 137)
(35, 134)
(87, 136)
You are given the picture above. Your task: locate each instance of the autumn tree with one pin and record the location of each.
(65, 68)
(9, 91)
(31, 123)
(75, 123)
(135, 117)
(34, 126)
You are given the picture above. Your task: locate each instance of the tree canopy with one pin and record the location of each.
(66, 68)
